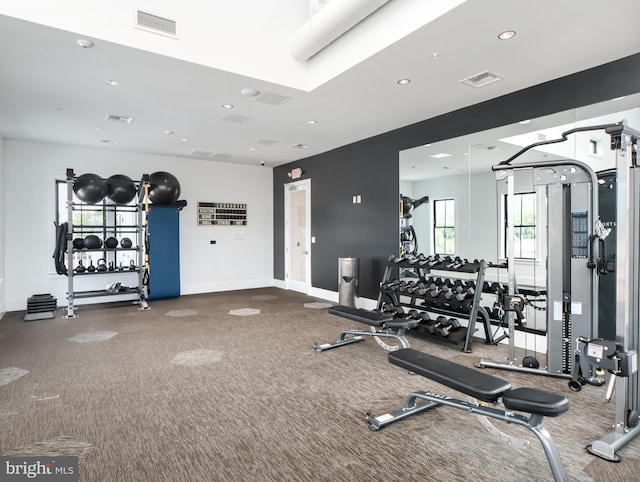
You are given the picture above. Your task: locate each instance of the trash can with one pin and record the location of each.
(347, 281)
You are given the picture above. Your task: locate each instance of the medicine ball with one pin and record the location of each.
(90, 188)
(120, 189)
(111, 242)
(92, 242)
(78, 243)
(126, 243)
(164, 188)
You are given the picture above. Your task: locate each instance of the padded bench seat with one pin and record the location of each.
(463, 379)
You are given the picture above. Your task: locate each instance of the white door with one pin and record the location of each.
(297, 245)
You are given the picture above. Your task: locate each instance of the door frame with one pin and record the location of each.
(289, 283)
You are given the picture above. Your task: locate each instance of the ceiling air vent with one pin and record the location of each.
(236, 118)
(222, 156)
(271, 98)
(203, 154)
(302, 147)
(265, 142)
(120, 118)
(155, 24)
(483, 78)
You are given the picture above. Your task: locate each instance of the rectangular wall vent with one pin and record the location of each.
(483, 78)
(156, 24)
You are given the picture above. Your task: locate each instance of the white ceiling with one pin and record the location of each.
(51, 90)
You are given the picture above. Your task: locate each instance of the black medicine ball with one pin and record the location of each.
(92, 242)
(126, 243)
(78, 243)
(111, 242)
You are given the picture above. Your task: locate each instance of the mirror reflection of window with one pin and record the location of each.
(444, 229)
(524, 227)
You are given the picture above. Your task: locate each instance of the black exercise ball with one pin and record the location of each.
(111, 242)
(78, 243)
(92, 242)
(164, 188)
(126, 243)
(90, 188)
(120, 189)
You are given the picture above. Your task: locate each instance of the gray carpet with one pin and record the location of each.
(227, 386)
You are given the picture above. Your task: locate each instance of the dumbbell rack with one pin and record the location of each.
(423, 266)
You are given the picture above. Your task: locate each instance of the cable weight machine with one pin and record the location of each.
(572, 277)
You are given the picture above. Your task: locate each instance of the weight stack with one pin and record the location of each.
(40, 307)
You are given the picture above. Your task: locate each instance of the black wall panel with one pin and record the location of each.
(369, 230)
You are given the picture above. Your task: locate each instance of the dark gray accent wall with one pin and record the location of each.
(369, 231)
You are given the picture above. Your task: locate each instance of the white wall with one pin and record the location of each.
(3, 304)
(30, 171)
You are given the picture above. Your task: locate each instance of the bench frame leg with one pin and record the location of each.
(431, 400)
(358, 335)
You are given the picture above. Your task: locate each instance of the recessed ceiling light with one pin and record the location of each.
(526, 121)
(404, 81)
(507, 34)
(618, 98)
(168, 132)
(249, 92)
(440, 155)
(184, 139)
(112, 83)
(85, 44)
(253, 148)
(227, 106)
(312, 122)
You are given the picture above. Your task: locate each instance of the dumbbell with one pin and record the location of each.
(416, 287)
(453, 323)
(390, 284)
(439, 327)
(396, 311)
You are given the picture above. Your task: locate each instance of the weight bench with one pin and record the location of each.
(481, 386)
(381, 325)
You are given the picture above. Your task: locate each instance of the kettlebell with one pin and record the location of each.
(102, 264)
(80, 268)
(132, 265)
(111, 266)
(91, 268)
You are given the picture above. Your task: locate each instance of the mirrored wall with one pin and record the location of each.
(465, 214)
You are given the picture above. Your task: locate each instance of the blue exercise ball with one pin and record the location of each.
(90, 188)
(164, 188)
